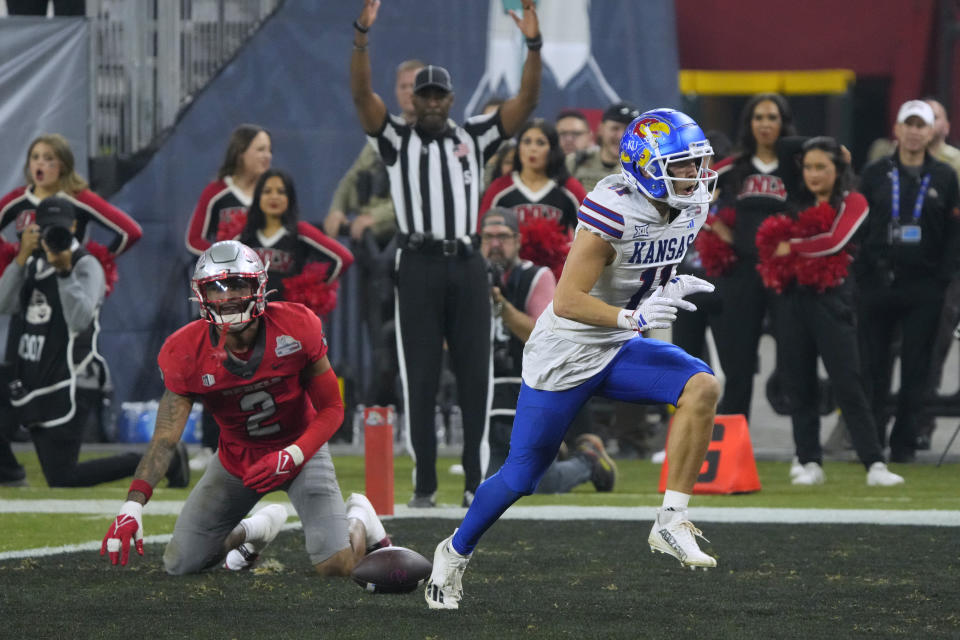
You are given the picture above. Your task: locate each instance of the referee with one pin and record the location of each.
(436, 178)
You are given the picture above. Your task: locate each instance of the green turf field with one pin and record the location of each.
(528, 579)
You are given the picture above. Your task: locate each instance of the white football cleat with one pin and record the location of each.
(795, 467)
(445, 586)
(810, 474)
(678, 538)
(879, 476)
(359, 507)
(262, 527)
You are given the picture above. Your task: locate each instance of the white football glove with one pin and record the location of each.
(682, 286)
(656, 312)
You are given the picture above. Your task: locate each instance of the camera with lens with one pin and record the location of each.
(57, 239)
(494, 274)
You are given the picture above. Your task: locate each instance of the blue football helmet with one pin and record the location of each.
(658, 138)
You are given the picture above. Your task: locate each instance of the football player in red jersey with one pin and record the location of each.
(262, 371)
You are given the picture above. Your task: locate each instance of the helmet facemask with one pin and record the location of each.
(231, 301)
(230, 283)
(675, 191)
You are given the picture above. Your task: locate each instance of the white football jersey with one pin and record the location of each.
(563, 353)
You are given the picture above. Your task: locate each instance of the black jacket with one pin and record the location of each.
(937, 255)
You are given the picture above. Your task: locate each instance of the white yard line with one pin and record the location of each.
(108, 508)
(928, 517)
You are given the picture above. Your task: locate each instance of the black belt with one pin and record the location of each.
(426, 244)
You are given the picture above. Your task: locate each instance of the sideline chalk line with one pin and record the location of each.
(927, 518)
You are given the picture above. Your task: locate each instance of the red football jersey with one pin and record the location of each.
(261, 404)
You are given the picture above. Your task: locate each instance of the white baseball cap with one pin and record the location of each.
(917, 108)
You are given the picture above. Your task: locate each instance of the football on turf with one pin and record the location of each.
(392, 570)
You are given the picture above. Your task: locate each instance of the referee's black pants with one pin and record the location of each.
(443, 297)
(913, 306)
(737, 329)
(811, 324)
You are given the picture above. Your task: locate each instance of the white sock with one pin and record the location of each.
(359, 513)
(674, 504)
(256, 527)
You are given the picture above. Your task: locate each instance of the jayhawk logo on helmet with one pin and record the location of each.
(651, 128)
(653, 141)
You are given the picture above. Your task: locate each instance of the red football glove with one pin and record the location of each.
(128, 524)
(273, 469)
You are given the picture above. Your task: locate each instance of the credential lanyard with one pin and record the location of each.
(917, 206)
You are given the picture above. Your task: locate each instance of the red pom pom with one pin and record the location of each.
(231, 228)
(716, 256)
(107, 261)
(777, 272)
(545, 243)
(823, 272)
(311, 289)
(8, 251)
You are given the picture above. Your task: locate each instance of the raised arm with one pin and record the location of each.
(370, 108)
(515, 111)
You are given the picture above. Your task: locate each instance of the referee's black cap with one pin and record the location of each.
(432, 76)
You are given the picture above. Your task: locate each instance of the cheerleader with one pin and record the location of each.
(816, 315)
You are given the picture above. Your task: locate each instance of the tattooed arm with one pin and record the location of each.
(172, 417)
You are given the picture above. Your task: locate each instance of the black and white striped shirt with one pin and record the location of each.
(436, 183)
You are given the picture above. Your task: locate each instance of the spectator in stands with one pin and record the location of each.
(372, 207)
(950, 314)
(593, 164)
(285, 243)
(502, 161)
(817, 315)
(248, 155)
(909, 252)
(539, 185)
(573, 131)
(520, 291)
(939, 148)
(754, 183)
(49, 170)
(55, 287)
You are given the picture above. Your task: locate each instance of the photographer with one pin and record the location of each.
(520, 291)
(55, 288)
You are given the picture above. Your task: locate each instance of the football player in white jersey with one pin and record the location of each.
(618, 282)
